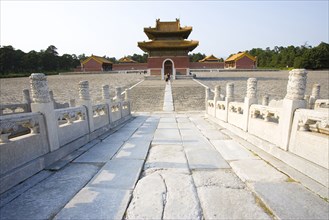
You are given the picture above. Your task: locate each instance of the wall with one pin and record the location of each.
(129, 66)
(206, 65)
(92, 65)
(245, 63)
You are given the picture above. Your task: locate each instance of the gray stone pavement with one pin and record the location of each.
(164, 165)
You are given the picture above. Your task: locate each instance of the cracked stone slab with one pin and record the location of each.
(205, 159)
(96, 203)
(256, 171)
(231, 150)
(118, 173)
(181, 199)
(46, 199)
(166, 157)
(134, 150)
(291, 201)
(100, 153)
(148, 198)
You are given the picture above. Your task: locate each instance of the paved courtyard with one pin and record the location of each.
(164, 165)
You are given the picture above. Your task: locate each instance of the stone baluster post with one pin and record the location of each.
(27, 99)
(41, 103)
(72, 103)
(251, 98)
(228, 98)
(293, 100)
(119, 98)
(216, 98)
(107, 99)
(265, 100)
(208, 91)
(51, 96)
(314, 96)
(84, 99)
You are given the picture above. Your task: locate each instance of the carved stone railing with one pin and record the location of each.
(266, 113)
(310, 136)
(14, 109)
(70, 115)
(99, 110)
(313, 121)
(17, 125)
(321, 103)
(236, 107)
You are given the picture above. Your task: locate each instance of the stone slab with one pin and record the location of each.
(291, 201)
(64, 161)
(257, 170)
(22, 187)
(46, 199)
(205, 159)
(214, 134)
(166, 157)
(100, 153)
(167, 120)
(148, 198)
(231, 150)
(224, 178)
(228, 203)
(96, 203)
(181, 197)
(119, 174)
(134, 150)
(167, 136)
(89, 145)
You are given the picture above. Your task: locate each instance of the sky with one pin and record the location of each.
(113, 28)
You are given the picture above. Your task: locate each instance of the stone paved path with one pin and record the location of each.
(165, 165)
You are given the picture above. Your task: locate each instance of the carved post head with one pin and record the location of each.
(230, 90)
(118, 91)
(217, 92)
(105, 92)
(316, 91)
(252, 88)
(265, 100)
(84, 90)
(39, 88)
(26, 96)
(296, 84)
(72, 103)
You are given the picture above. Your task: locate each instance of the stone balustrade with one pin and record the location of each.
(31, 141)
(288, 125)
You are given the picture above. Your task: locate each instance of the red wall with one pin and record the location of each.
(92, 65)
(179, 62)
(199, 65)
(129, 66)
(245, 63)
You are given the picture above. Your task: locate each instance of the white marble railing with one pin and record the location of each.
(31, 141)
(14, 108)
(310, 135)
(288, 124)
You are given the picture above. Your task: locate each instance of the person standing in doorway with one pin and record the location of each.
(167, 78)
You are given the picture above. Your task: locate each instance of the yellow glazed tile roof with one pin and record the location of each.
(98, 59)
(209, 58)
(238, 56)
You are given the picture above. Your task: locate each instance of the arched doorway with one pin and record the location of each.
(168, 67)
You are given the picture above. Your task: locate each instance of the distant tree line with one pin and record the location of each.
(297, 57)
(17, 61)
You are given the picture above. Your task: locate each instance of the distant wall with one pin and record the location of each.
(129, 66)
(206, 65)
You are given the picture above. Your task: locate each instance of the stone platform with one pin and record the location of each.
(165, 165)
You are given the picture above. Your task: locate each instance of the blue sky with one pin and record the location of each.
(113, 28)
